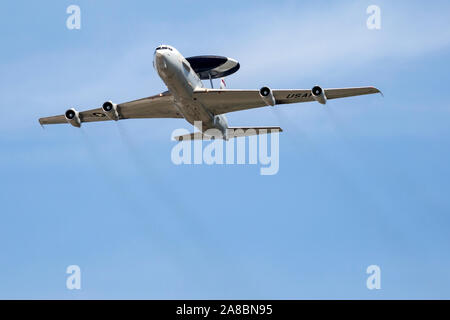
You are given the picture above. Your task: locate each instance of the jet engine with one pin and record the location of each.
(319, 95)
(267, 96)
(110, 110)
(221, 123)
(73, 117)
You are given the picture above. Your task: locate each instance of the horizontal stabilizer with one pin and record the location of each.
(192, 136)
(233, 132)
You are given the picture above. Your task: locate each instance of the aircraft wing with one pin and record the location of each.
(220, 101)
(158, 106)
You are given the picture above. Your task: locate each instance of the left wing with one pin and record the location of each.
(158, 106)
(220, 101)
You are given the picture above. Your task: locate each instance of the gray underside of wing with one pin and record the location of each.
(223, 101)
(220, 101)
(158, 106)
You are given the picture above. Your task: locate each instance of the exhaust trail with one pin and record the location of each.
(301, 139)
(193, 227)
(158, 187)
(402, 176)
(129, 206)
(333, 168)
(358, 161)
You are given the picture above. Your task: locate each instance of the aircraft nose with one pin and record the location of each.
(160, 60)
(158, 57)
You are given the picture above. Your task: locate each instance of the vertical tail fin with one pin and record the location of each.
(223, 85)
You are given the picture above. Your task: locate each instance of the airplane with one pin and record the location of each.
(205, 108)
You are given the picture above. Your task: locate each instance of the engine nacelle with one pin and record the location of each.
(221, 123)
(319, 95)
(73, 117)
(110, 110)
(267, 96)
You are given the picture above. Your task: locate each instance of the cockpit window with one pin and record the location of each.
(163, 48)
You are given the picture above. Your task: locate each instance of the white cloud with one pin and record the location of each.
(297, 42)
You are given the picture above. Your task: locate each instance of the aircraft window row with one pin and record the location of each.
(162, 47)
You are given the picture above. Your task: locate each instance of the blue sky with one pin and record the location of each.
(362, 181)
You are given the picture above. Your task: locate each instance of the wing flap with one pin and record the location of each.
(220, 101)
(159, 106)
(349, 92)
(52, 120)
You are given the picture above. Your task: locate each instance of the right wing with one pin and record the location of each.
(220, 101)
(158, 106)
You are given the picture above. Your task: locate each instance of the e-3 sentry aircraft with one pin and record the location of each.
(203, 107)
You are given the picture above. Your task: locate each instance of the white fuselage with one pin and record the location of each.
(181, 80)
